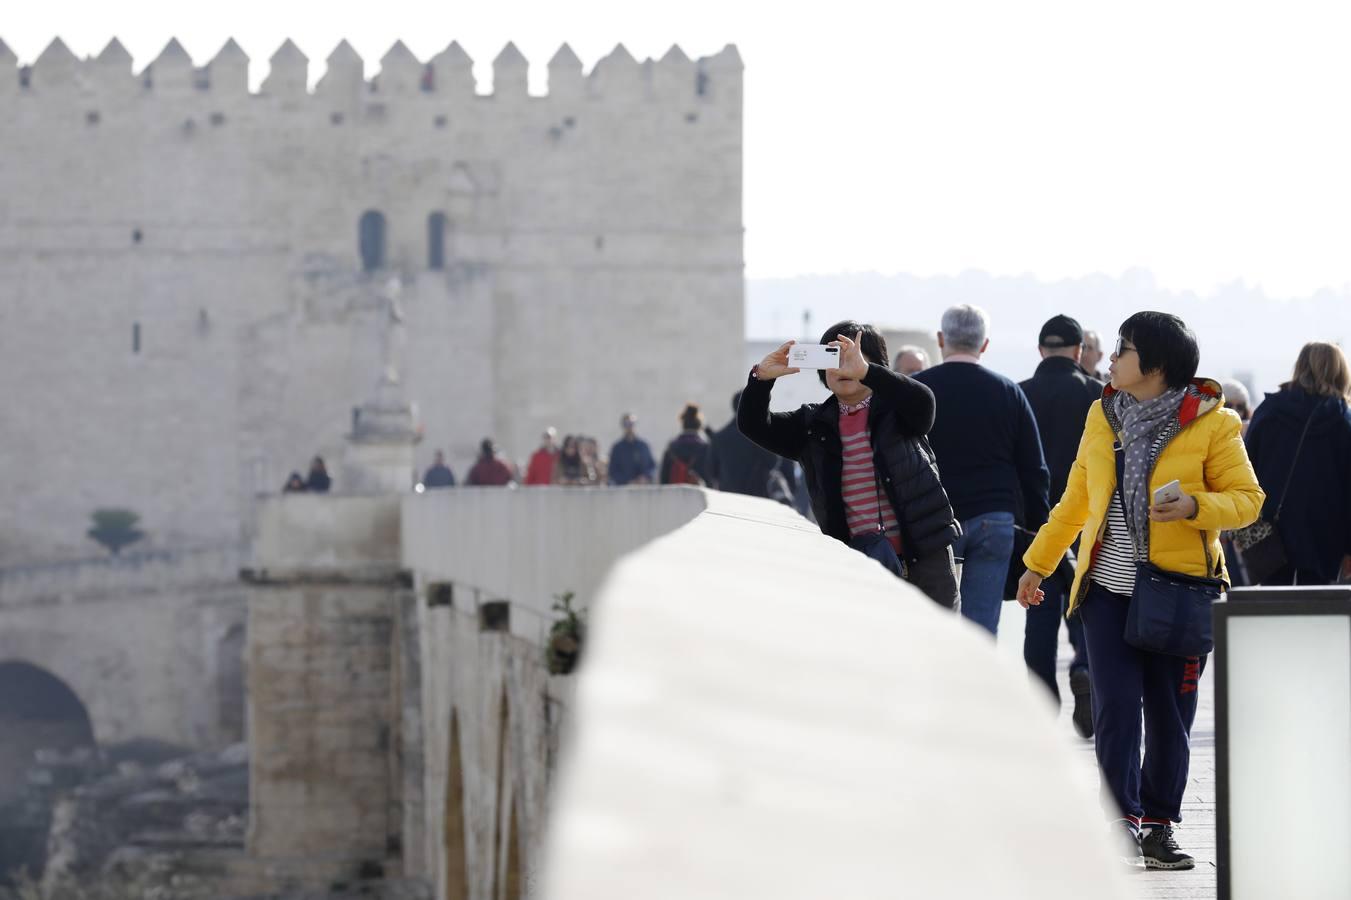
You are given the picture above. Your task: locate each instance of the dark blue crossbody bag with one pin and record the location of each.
(1169, 612)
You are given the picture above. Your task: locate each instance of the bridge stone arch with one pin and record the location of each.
(38, 710)
(78, 662)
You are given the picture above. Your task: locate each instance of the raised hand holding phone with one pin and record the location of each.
(852, 363)
(775, 365)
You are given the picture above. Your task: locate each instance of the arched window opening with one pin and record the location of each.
(436, 240)
(230, 699)
(371, 237)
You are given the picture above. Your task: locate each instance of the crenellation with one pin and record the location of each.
(720, 76)
(453, 72)
(110, 74)
(510, 73)
(565, 75)
(114, 57)
(171, 74)
(9, 72)
(344, 79)
(401, 73)
(617, 76)
(56, 69)
(288, 77)
(228, 72)
(673, 76)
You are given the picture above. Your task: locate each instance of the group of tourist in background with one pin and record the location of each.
(1054, 492)
(316, 482)
(1058, 491)
(699, 455)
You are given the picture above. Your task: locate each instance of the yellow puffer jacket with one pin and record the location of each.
(1207, 456)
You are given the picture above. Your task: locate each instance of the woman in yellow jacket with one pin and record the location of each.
(1171, 426)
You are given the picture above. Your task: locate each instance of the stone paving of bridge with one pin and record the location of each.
(1196, 834)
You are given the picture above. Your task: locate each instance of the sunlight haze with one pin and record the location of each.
(1205, 142)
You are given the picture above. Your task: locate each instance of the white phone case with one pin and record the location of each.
(813, 356)
(1170, 491)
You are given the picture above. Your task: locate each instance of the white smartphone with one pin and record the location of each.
(813, 356)
(1168, 493)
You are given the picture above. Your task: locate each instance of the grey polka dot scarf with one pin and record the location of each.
(1141, 425)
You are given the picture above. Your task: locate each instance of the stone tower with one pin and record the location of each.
(191, 274)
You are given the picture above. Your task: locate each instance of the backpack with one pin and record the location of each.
(682, 472)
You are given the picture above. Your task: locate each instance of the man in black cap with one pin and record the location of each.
(1061, 394)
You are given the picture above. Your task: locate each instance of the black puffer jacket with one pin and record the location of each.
(1315, 522)
(1061, 396)
(901, 414)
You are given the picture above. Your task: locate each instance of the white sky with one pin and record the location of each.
(1206, 141)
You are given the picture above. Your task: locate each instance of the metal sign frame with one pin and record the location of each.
(1323, 600)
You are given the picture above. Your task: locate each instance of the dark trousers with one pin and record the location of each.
(933, 573)
(1041, 635)
(1288, 575)
(1125, 680)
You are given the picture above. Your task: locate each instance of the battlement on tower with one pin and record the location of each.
(59, 74)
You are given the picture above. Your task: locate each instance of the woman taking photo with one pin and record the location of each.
(1169, 426)
(1300, 444)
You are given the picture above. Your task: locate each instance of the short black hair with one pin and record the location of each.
(869, 339)
(1165, 344)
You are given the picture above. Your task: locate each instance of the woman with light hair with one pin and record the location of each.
(1300, 444)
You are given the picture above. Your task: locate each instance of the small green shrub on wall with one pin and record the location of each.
(115, 528)
(566, 636)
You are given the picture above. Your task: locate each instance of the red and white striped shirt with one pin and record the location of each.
(866, 507)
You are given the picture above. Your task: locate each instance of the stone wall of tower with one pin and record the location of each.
(184, 315)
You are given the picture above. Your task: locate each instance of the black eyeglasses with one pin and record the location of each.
(1122, 348)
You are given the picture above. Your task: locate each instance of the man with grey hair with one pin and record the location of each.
(1236, 398)
(989, 457)
(910, 360)
(1091, 357)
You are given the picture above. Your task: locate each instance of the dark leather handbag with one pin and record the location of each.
(1170, 612)
(1259, 545)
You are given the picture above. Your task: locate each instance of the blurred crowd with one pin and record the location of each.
(979, 490)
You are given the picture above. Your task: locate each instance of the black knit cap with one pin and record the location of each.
(1061, 331)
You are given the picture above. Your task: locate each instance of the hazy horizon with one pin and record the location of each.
(1239, 334)
(1203, 141)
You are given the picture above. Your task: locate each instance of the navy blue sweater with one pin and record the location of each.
(989, 451)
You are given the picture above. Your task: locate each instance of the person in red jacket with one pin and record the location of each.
(541, 468)
(491, 470)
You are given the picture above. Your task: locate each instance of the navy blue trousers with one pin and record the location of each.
(1125, 681)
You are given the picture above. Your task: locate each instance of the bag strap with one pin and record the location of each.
(1119, 451)
(1293, 461)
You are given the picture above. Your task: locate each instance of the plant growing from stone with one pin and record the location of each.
(115, 528)
(566, 636)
